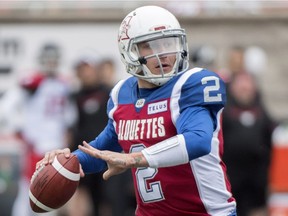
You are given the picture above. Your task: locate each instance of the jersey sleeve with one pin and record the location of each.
(202, 97)
(196, 125)
(204, 88)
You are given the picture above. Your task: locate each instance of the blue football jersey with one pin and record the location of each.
(190, 104)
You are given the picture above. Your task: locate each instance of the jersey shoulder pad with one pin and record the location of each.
(202, 87)
(121, 92)
(32, 82)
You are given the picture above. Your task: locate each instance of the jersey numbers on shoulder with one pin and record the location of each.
(149, 190)
(212, 84)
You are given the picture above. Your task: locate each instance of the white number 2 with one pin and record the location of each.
(151, 192)
(215, 86)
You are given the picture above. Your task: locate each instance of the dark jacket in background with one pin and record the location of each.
(247, 132)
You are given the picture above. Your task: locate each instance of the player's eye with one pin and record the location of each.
(144, 45)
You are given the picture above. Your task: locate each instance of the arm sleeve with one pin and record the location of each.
(195, 131)
(106, 140)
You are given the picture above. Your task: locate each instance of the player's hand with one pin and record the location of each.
(117, 162)
(49, 158)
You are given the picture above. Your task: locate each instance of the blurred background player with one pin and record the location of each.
(235, 63)
(119, 191)
(247, 130)
(47, 116)
(91, 100)
(96, 77)
(203, 56)
(108, 72)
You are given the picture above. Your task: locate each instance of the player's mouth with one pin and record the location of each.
(164, 66)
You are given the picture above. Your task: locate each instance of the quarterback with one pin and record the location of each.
(164, 124)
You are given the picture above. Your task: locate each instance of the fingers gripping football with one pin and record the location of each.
(49, 156)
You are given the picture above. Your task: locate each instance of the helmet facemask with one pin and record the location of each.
(161, 44)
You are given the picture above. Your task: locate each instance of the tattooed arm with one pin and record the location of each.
(116, 162)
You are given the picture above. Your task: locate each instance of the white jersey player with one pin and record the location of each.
(47, 114)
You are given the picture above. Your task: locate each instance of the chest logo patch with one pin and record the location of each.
(140, 103)
(157, 107)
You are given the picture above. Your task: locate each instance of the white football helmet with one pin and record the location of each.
(152, 24)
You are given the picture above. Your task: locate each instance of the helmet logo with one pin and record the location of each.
(158, 28)
(125, 25)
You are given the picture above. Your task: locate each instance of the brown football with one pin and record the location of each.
(54, 184)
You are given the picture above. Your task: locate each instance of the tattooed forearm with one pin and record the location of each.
(139, 160)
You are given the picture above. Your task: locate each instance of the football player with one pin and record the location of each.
(164, 123)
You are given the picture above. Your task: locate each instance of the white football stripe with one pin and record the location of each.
(39, 204)
(63, 171)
